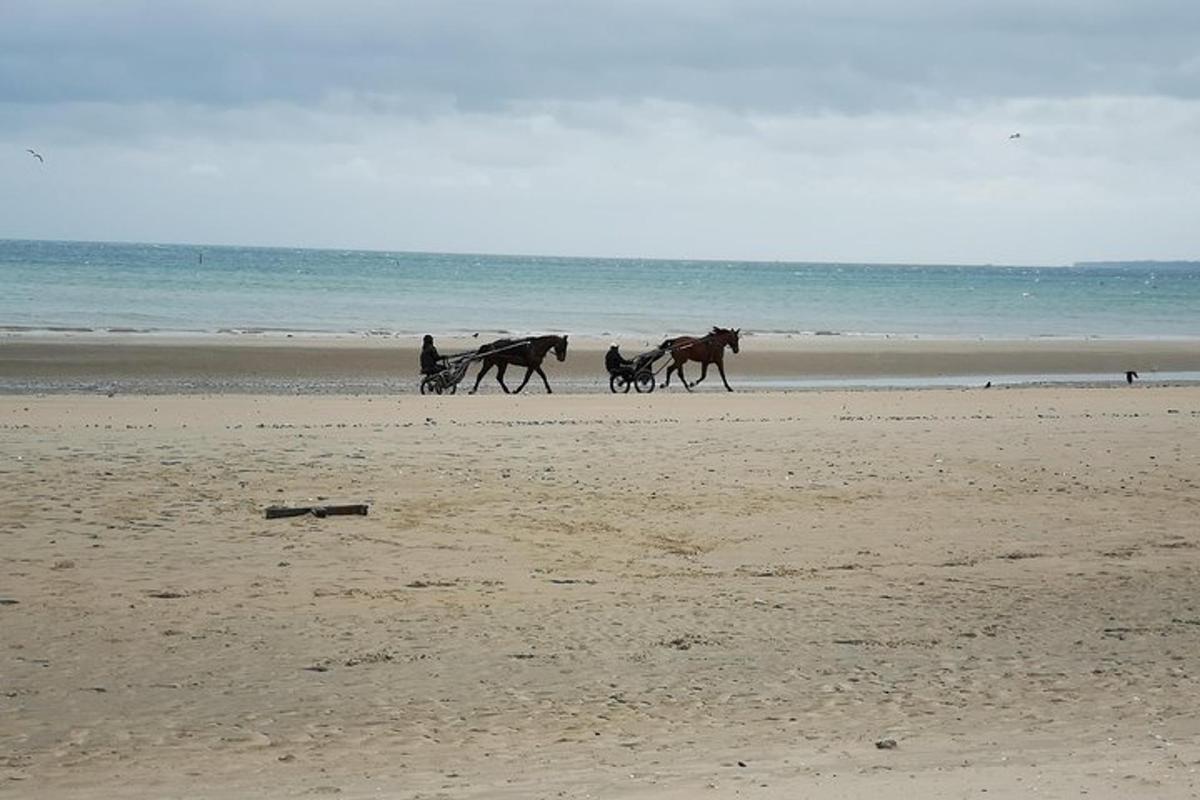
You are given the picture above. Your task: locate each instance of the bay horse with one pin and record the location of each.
(709, 349)
(528, 353)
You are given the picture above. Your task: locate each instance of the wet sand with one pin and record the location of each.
(341, 364)
(602, 596)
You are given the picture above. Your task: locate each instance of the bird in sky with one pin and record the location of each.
(35, 154)
(1014, 135)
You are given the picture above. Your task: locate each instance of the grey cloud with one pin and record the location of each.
(757, 55)
(1093, 178)
(868, 130)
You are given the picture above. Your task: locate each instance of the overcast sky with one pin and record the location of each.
(818, 130)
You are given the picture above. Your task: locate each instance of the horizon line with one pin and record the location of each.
(665, 259)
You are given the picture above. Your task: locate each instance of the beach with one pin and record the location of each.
(918, 517)
(339, 364)
(950, 592)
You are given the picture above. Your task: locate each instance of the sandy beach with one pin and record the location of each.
(340, 364)
(928, 527)
(601, 596)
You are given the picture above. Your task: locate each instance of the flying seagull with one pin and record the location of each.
(1015, 135)
(35, 154)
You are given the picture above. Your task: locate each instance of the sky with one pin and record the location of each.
(806, 130)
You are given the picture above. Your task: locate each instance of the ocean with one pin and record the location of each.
(205, 289)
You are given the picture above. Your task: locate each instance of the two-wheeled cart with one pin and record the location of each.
(639, 372)
(446, 380)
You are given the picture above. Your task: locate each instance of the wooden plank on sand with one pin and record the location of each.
(275, 512)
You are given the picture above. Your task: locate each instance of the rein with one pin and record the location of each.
(708, 337)
(475, 355)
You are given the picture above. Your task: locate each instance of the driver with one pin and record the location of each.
(614, 361)
(432, 362)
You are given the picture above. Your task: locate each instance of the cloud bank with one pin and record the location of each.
(816, 131)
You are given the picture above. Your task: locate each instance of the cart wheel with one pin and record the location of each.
(425, 385)
(644, 382)
(619, 383)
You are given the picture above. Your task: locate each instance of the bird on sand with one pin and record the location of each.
(35, 154)
(1014, 135)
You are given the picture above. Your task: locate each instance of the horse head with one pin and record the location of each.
(726, 336)
(560, 348)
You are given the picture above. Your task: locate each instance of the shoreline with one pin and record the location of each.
(320, 364)
(253, 333)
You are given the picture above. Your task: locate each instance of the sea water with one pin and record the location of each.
(186, 288)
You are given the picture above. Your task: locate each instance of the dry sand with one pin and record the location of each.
(600, 596)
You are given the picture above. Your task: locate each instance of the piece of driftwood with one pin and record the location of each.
(275, 512)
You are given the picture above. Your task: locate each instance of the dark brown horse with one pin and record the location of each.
(707, 350)
(528, 353)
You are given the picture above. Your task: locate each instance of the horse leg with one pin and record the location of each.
(528, 372)
(483, 371)
(686, 385)
(703, 373)
(667, 379)
(501, 368)
(721, 369)
(538, 370)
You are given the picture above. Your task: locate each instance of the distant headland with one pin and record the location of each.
(1147, 264)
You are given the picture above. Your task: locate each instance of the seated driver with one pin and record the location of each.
(432, 362)
(614, 361)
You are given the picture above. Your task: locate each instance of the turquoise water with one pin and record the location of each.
(48, 285)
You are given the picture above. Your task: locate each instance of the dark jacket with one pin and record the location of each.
(431, 361)
(613, 361)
